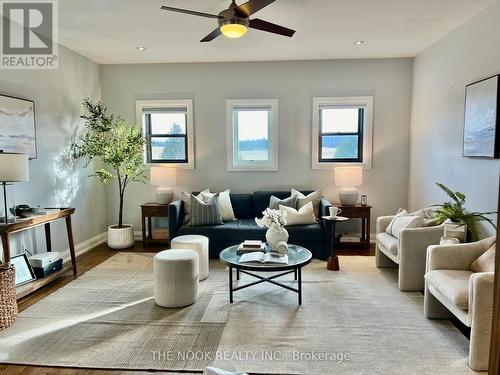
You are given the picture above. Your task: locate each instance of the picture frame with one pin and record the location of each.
(18, 126)
(481, 135)
(24, 272)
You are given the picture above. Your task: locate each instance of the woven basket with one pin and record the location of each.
(8, 302)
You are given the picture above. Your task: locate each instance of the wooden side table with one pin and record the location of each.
(332, 263)
(150, 210)
(52, 215)
(357, 212)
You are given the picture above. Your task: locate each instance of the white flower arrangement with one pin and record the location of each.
(272, 219)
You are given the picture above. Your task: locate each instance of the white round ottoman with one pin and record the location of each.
(175, 277)
(196, 243)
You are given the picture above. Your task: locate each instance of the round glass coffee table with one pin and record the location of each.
(298, 257)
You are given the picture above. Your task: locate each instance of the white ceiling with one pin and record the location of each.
(108, 31)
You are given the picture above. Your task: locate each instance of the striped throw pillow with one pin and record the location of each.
(205, 210)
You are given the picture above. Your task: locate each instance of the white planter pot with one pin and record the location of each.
(274, 236)
(121, 238)
(455, 230)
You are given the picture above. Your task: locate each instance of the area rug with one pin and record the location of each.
(354, 321)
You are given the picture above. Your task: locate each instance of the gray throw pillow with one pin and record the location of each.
(205, 210)
(274, 202)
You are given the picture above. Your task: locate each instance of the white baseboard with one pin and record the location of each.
(85, 246)
(138, 235)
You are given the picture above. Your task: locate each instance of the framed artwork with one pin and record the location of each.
(24, 273)
(17, 126)
(482, 118)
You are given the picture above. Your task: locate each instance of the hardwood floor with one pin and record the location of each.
(86, 262)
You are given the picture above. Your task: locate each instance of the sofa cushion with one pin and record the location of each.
(302, 216)
(242, 206)
(246, 229)
(275, 203)
(314, 197)
(261, 199)
(452, 284)
(205, 210)
(186, 200)
(486, 262)
(390, 243)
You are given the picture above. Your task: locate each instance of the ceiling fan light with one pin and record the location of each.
(233, 30)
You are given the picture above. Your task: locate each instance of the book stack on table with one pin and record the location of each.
(249, 246)
(350, 237)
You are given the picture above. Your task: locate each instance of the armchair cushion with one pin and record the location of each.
(401, 221)
(452, 284)
(388, 242)
(486, 262)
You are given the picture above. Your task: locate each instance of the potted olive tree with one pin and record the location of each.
(119, 146)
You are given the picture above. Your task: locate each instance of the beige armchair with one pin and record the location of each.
(409, 252)
(453, 289)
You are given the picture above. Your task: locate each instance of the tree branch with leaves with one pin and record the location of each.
(114, 142)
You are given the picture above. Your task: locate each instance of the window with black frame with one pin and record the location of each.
(341, 134)
(167, 137)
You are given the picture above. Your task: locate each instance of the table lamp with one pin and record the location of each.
(164, 178)
(13, 168)
(347, 178)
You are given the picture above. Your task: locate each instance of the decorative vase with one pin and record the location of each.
(120, 238)
(275, 235)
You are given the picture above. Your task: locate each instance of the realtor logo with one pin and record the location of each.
(29, 34)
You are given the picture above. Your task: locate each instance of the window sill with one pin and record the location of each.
(367, 164)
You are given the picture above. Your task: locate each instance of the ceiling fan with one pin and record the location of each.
(235, 20)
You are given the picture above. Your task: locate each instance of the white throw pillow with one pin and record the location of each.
(225, 206)
(186, 199)
(314, 197)
(401, 221)
(304, 215)
(429, 214)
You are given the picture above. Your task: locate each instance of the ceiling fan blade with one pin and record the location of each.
(259, 24)
(214, 34)
(252, 6)
(192, 12)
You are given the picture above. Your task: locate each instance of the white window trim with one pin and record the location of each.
(364, 101)
(141, 105)
(273, 134)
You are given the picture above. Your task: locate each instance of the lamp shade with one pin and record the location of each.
(163, 176)
(13, 167)
(348, 176)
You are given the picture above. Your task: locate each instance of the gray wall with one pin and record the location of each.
(54, 180)
(440, 75)
(294, 84)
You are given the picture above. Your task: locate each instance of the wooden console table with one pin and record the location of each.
(148, 211)
(357, 212)
(35, 221)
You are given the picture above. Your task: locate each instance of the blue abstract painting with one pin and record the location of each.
(17, 126)
(481, 117)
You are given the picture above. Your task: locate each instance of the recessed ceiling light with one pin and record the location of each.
(359, 42)
(141, 48)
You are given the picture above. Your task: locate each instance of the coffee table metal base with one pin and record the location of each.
(297, 276)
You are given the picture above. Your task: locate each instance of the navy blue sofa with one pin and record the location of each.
(315, 237)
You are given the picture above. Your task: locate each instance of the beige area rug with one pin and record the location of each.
(354, 321)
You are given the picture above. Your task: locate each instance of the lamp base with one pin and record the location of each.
(164, 195)
(348, 196)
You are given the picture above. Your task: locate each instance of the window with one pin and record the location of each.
(342, 131)
(252, 134)
(168, 127)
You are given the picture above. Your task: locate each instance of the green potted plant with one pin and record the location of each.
(455, 213)
(119, 146)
